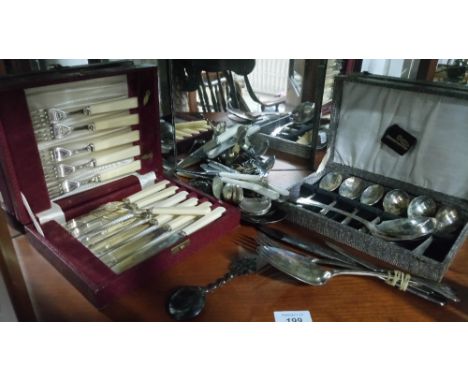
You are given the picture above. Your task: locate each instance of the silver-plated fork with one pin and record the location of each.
(58, 154)
(63, 170)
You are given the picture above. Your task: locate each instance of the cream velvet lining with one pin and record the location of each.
(439, 161)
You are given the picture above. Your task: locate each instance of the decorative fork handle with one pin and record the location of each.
(55, 114)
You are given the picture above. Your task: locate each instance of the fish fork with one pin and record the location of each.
(59, 130)
(63, 170)
(71, 185)
(58, 154)
(41, 117)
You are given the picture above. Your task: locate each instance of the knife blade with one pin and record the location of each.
(305, 245)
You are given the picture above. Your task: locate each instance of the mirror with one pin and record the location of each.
(237, 121)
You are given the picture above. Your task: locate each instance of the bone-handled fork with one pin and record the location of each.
(84, 221)
(60, 130)
(71, 185)
(127, 249)
(128, 220)
(143, 228)
(128, 211)
(102, 158)
(46, 116)
(136, 209)
(58, 154)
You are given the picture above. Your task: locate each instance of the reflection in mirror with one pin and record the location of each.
(238, 125)
(452, 71)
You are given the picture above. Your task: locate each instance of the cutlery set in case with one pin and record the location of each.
(409, 138)
(82, 171)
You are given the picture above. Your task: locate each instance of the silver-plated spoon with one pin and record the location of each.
(351, 188)
(422, 206)
(396, 202)
(448, 220)
(331, 181)
(392, 230)
(372, 194)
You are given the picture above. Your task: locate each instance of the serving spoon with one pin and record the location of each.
(309, 272)
(392, 230)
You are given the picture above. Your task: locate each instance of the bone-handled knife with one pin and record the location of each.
(141, 240)
(169, 240)
(180, 211)
(126, 222)
(147, 191)
(114, 245)
(143, 203)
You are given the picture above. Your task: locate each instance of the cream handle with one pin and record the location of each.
(182, 220)
(156, 197)
(121, 170)
(193, 130)
(106, 107)
(274, 195)
(173, 200)
(233, 175)
(279, 190)
(179, 136)
(183, 133)
(163, 219)
(116, 155)
(204, 221)
(147, 191)
(121, 139)
(181, 211)
(128, 120)
(193, 125)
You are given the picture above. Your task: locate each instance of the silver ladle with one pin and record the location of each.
(391, 230)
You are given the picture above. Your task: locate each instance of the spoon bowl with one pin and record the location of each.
(448, 220)
(351, 188)
(396, 202)
(372, 194)
(422, 206)
(331, 181)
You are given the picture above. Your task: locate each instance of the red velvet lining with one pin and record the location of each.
(26, 172)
